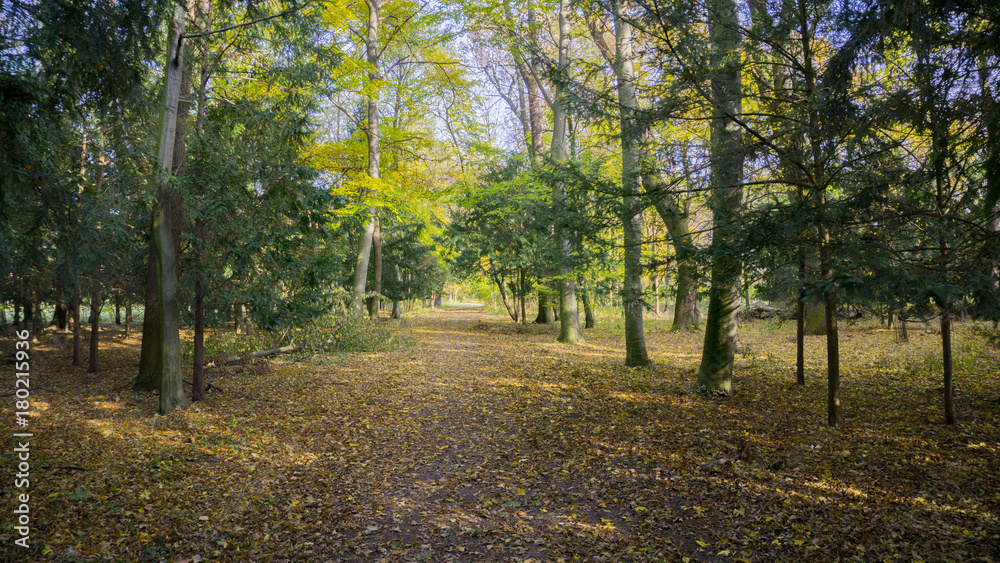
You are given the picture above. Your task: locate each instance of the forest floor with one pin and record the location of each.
(481, 440)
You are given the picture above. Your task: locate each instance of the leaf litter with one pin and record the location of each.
(485, 443)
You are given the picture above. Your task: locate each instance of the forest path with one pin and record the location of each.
(474, 439)
(474, 470)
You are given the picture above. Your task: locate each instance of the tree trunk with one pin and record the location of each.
(374, 156)
(746, 296)
(95, 321)
(118, 312)
(128, 317)
(171, 384)
(588, 311)
(569, 313)
(631, 206)
(815, 318)
(204, 15)
(543, 317)
(902, 334)
(534, 141)
(833, 363)
(74, 309)
(149, 353)
(674, 216)
(686, 316)
(715, 375)
(61, 315)
(375, 302)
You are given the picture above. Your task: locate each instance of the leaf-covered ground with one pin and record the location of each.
(486, 441)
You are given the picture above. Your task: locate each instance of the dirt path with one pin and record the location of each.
(489, 441)
(473, 471)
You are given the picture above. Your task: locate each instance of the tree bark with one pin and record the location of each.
(61, 315)
(631, 207)
(686, 316)
(654, 280)
(833, 363)
(673, 214)
(534, 142)
(128, 317)
(815, 319)
(715, 375)
(569, 313)
(543, 317)
(171, 384)
(588, 310)
(818, 184)
(204, 16)
(149, 352)
(374, 303)
(374, 156)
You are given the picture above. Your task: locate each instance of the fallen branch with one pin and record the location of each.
(223, 360)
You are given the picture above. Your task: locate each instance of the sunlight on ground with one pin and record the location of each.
(480, 445)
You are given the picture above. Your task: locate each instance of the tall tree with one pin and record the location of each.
(715, 375)
(171, 384)
(660, 190)
(632, 201)
(151, 352)
(569, 314)
(374, 153)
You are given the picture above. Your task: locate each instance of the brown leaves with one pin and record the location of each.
(486, 444)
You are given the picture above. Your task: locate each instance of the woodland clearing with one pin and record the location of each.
(476, 439)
